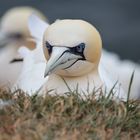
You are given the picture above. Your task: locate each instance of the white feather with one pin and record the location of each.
(121, 71)
(37, 26)
(111, 83)
(32, 76)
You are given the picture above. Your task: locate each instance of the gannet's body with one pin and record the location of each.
(122, 70)
(13, 34)
(72, 50)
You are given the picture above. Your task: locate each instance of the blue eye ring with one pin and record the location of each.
(80, 48)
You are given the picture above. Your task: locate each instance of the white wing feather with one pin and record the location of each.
(37, 26)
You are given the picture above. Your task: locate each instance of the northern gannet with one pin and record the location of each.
(110, 65)
(72, 49)
(13, 34)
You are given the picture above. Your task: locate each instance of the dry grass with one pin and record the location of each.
(67, 118)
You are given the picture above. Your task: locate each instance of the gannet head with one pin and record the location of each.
(71, 48)
(14, 24)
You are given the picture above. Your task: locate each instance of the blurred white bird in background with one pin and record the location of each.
(13, 34)
(32, 75)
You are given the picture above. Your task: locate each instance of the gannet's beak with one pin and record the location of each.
(60, 59)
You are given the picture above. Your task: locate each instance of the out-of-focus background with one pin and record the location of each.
(117, 20)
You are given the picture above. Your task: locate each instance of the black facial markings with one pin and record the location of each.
(49, 47)
(61, 55)
(16, 60)
(70, 65)
(78, 50)
(73, 63)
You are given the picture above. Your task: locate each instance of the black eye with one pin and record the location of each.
(80, 48)
(49, 47)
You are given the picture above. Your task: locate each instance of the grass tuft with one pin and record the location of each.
(67, 117)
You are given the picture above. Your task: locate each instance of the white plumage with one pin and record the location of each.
(32, 76)
(111, 68)
(14, 33)
(121, 70)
